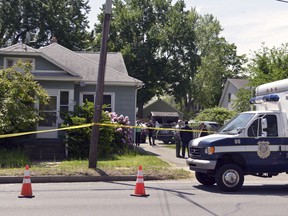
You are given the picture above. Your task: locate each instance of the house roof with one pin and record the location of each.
(19, 47)
(239, 83)
(83, 66)
(87, 67)
(160, 106)
(165, 114)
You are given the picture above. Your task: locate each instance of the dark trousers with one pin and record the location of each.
(184, 146)
(138, 135)
(178, 147)
(151, 138)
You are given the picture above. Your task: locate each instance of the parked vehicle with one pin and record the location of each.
(252, 143)
(166, 136)
(211, 126)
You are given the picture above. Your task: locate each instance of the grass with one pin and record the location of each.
(119, 166)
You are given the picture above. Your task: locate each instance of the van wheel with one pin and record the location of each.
(229, 177)
(205, 179)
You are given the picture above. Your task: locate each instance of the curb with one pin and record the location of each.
(62, 179)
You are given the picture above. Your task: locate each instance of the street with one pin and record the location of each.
(167, 198)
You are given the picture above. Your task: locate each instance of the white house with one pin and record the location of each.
(230, 90)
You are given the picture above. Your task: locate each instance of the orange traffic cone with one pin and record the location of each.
(139, 188)
(26, 191)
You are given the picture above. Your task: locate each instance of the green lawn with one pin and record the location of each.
(120, 165)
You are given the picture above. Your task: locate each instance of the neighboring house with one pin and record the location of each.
(70, 79)
(160, 106)
(230, 90)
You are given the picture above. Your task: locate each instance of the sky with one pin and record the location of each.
(246, 23)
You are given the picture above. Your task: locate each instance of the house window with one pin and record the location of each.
(229, 97)
(48, 112)
(64, 103)
(108, 100)
(9, 62)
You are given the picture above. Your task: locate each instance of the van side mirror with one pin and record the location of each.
(264, 123)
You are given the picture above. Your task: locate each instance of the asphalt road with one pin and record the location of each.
(166, 198)
(258, 196)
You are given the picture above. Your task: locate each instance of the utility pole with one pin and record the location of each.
(100, 87)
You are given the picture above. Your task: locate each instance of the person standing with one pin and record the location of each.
(138, 133)
(186, 136)
(203, 130)
(150, 125)
(178, 138)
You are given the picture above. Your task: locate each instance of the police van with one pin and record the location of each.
(252, 143)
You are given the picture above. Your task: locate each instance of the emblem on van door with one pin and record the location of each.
(263, 149)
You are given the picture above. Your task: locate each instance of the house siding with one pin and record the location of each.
(40, 62)
(43, 64)
(232, 90)
(124, 98)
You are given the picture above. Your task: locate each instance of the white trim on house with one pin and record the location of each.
(48, 78)
(49, 71)
(71, 103)
(16, 59)
(112, 94)
(115, 83)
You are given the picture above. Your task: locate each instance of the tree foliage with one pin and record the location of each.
(217, 114)
(134, 31)
(65, 20)
(19, 94)
(266, 65)
(219, 61)
(242, 101)
(172, 50)
(179, 47)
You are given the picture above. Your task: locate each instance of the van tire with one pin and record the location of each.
(229, 177)
(205, 179)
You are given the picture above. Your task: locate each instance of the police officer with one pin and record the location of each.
(186, 137)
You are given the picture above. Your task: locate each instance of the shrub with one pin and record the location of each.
(78, 140)
(112, 140)
(217, 114)
(123, 135)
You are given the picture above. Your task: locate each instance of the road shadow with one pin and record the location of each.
(261, 189)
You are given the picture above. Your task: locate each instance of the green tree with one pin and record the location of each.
(267, 65)
(134, 31)
(217, 114)
(219, 61)
(65, 20)
(164, 45)
(242, 103)
(19, 94)
(180, 50)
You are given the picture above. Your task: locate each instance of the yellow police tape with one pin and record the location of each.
(90, 125)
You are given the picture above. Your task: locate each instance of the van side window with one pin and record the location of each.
(272, 128)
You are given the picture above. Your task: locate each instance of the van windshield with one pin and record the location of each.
(238, 122)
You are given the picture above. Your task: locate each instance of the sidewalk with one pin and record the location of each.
(166, 154)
